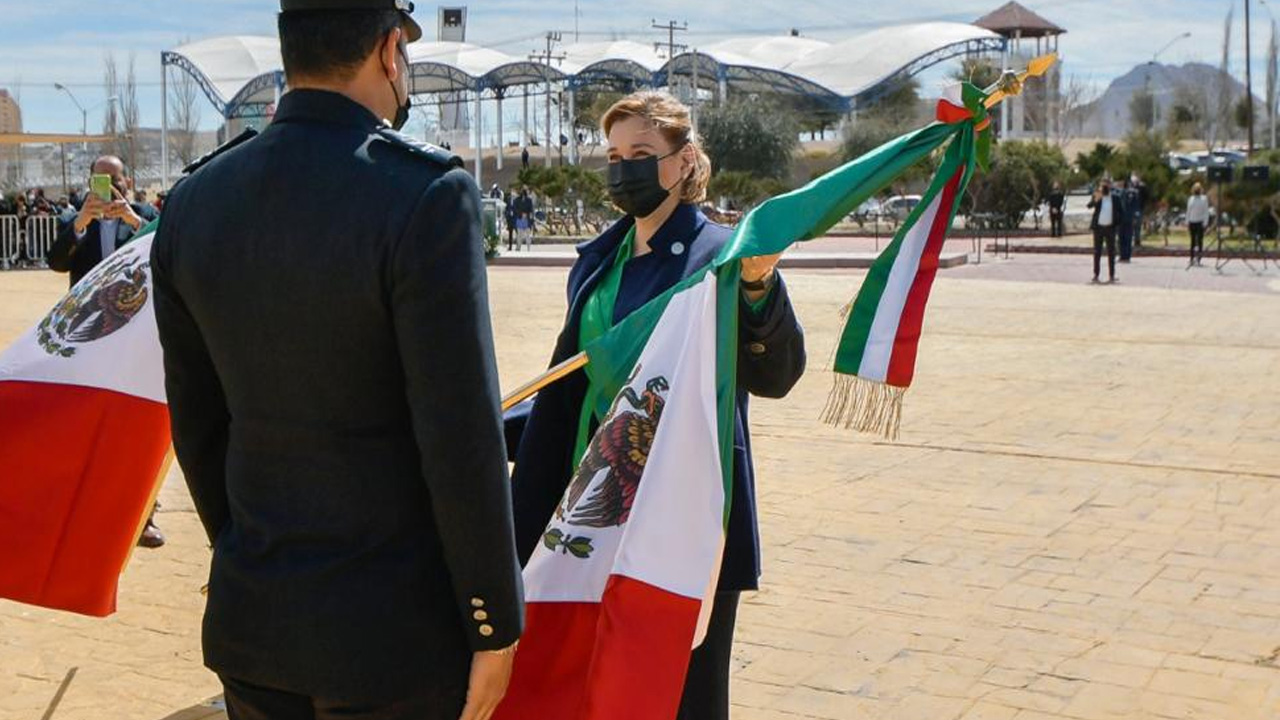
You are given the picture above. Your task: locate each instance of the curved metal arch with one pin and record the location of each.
(602, 80)
(168, 58)
(460, 81)
(266, 81)
(966, 47)
(522, 72)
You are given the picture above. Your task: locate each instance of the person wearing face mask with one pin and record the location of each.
(99, 228)
(657, 173)
(321, 301)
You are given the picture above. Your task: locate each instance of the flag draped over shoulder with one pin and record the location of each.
(84, 433)
(621, 587)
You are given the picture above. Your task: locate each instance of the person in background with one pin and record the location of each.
(524, 158)
(524, 220)
(1057, 202)
(100, 227)
(1125, 222)
(1138, 208)
(509, 217)
(1107, 204)
(1197, 218)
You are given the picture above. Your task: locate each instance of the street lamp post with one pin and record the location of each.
(1147, 79)
(84, 114)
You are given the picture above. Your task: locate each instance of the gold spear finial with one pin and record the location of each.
(1011, 83)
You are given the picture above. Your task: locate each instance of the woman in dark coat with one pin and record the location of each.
(657, 173)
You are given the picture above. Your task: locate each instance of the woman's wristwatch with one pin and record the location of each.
(760, 285)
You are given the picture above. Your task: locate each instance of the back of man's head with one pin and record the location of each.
(331, 45)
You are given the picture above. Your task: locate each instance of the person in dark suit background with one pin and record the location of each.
(100, 227)
(88, 236)
(1108, 208)
(1057, 203)
(658, 172)
(333, 392)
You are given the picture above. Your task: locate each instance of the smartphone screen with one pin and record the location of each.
(100, 185)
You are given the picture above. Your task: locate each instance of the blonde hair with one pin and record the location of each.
(671, 117)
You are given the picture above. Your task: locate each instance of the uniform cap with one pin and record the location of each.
(413, 30)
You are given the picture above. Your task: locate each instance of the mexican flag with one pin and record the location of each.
(84, 437)
(621, 588)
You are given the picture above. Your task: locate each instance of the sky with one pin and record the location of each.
(43, 42)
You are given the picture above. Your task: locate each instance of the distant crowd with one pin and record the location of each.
(34, 202)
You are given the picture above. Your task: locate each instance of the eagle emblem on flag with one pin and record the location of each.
(98, 306)
(620, 448)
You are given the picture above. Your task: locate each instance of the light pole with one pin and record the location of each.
(84, 114)
(1147, 81)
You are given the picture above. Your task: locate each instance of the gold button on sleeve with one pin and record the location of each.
(477, 602)
(480, 615)
(486, 630)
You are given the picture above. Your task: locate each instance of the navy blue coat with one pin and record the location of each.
(770, 361)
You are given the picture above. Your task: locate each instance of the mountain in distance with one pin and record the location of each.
(1109, 117)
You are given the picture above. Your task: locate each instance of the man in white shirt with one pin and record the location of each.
(100, 227)
(1108, 207)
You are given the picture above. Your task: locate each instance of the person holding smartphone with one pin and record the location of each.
(105, 223)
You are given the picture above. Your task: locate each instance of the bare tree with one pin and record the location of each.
(184, 114)
(131, 118)
(1190, 115)
(111, 115)
(1273, 78)
(1076, 97)
(1221, 129)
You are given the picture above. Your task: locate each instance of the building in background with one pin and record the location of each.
(10, 155)
(455, 118)
(1036, 112)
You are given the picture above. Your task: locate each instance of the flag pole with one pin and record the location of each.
(151, 504)
(531, 388)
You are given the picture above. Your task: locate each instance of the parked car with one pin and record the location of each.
(1181, 163)
(869, 211)
(899, 206)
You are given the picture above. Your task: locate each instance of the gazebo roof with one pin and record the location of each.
(1013, 18)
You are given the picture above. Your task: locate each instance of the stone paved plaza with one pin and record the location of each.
(1081, 519)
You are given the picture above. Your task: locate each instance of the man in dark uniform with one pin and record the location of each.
(331, 379)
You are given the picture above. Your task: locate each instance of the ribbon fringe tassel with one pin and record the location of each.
(865, 405)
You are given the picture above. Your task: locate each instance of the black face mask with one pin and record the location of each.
(634, 186)
(402, 109)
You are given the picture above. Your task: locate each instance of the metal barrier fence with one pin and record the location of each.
(42, 232)
(10, 241)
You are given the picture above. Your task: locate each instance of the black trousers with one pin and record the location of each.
(246, 701)
(1055, 223)
(706, 689)
(1197, 240)
(1105, 234)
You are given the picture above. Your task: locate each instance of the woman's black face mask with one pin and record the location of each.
(634, 185)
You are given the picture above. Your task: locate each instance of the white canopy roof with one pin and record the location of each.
(244, 70)
(226, 65)
(854, 66)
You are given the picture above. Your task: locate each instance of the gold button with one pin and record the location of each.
(486, 630)
(480, 615)
(757, 348)
(477, 603)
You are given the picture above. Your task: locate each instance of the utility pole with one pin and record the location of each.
(1248, 76)
(672, 28)
(545, 58)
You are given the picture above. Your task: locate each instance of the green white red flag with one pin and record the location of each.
(84, 432)
(625, 576)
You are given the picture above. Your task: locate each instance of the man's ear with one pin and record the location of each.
(390, 55)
